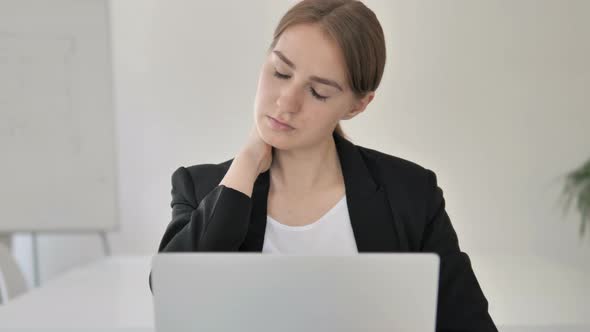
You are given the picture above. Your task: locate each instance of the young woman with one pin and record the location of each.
(299, 186)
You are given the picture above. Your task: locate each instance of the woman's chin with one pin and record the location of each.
(277, 140)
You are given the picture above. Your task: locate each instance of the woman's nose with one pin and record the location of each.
(289, 99)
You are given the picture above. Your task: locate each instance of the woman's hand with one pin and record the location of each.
(254, 158)
(258, 151)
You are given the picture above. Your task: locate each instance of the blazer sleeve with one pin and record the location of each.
(462, 305)
(217, 222)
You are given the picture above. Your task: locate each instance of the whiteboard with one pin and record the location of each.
(57, 133)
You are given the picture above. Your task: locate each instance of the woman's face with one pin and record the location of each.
(303, 84)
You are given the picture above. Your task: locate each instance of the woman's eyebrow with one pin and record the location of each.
(285, 59)
(311, 78)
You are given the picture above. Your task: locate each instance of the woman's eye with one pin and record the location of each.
(317, 95)
(281, 76)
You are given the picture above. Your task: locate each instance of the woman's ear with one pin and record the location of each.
(359, 105)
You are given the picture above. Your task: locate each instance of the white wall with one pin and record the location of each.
(491, 95)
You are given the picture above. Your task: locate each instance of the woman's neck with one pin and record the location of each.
(306, 170)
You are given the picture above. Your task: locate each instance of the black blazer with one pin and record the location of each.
(394, 206)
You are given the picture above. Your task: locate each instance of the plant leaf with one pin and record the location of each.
(577, 187)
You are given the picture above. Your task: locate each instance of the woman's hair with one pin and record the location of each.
(357, 31)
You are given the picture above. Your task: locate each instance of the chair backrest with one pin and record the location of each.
(12, 280)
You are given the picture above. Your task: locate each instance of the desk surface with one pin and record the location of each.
(526, 294)
(111, 293)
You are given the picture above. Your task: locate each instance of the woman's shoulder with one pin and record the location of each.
(200, 171)
(391, 165)
(403, 179)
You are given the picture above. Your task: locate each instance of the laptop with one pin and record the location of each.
(271, 292)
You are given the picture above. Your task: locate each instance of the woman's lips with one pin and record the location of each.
(276, 124)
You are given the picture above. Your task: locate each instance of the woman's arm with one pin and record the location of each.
(462, 305)
(218, 222)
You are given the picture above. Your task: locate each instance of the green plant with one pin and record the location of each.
(577, 187)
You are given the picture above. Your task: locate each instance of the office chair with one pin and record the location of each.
(12, 281)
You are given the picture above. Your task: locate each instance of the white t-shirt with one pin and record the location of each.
(330, 235)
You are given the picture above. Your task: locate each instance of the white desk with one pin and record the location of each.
(108, 295)
(526, 294)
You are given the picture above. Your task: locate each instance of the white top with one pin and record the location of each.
(330, 235)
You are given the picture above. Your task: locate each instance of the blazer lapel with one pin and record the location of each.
(370, 214)
(368, 207)
(255, 237)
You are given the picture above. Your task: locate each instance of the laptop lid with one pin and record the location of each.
(270, 292)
